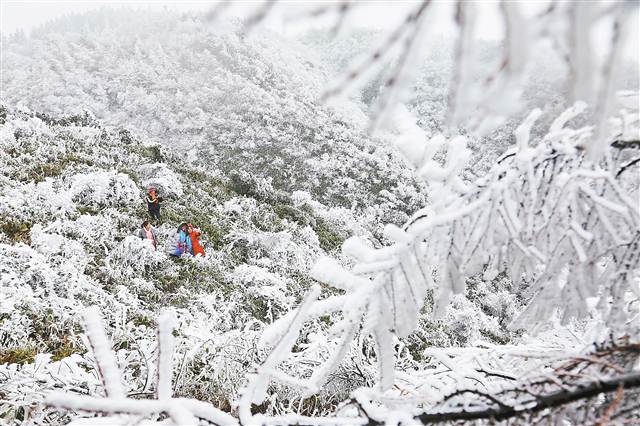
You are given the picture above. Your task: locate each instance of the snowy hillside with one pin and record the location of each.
(243, 105)
(399, 229)
(71, 204)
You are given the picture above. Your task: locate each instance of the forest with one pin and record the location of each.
(401, 225)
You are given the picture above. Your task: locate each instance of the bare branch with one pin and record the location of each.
(259, 16)
(375, 56)
(626, 381)
(216, 11)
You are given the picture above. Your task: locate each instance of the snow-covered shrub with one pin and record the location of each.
(499, 298)
(96, 233)
(25, 387)
(466, 325)
(102, 189)
(159, 176)
(36, 201)
(46, 290)
(14, 133)
(141, 285)
(50, 244)
(16, 327)
(266, 288)
(131, 257)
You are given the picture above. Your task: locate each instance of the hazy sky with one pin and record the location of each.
(26, 15)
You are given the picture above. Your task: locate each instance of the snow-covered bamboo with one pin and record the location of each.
(101, 348)
(166, 324)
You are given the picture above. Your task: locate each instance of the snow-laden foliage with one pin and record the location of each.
(72, 201)
(130, 255)
(462, 82)
(543, 214)
(159, 176)
(62, 250)
(102, 189)
(244, 106)
(479, 306)
(180, 411)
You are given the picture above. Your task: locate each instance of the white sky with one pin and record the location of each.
(28, 14)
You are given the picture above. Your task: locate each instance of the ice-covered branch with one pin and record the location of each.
(570, 29)
(400, 73)
(101, 348)
(340, 9)
(543, 212)
(465, 19)
(181, 411)
(378, 54)
(542, 402)
(621, 25)
(259, 15)
(166, 324)
(576, 379)
(255, 391)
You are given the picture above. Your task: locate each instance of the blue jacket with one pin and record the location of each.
(183, 244)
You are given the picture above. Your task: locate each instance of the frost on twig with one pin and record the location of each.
(544, 213)
(584, 388)
(480, 105)
(255, 391)
(405, 34)
(166, 324)
(105, 358)
(339, 8)
(124, 410)
(606, 92)
(465, 19)
(259, 15)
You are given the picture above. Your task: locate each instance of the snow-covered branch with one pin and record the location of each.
(124, 410)
(544, 213)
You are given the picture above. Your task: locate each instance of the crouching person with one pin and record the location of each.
(148, 232)
(183, 242)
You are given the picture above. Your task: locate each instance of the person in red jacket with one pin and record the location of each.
(194, 234)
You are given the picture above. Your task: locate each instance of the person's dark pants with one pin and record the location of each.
(155, 213)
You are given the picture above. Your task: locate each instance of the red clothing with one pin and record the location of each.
(197, 248)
